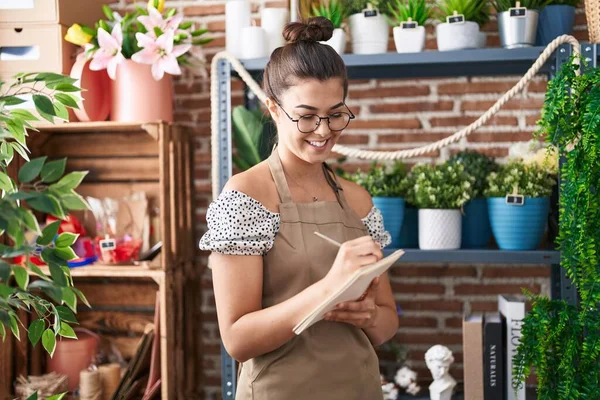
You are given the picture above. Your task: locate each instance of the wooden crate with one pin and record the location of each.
(121, 159)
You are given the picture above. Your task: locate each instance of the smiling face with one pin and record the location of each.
(303, 99)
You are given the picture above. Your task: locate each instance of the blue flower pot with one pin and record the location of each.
(554, 21)
(392, 210)
(476, 230)
(409, 234)
(518, 227)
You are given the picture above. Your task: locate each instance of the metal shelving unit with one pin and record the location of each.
(481, 62)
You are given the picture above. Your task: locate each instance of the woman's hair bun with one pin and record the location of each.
(316, 29)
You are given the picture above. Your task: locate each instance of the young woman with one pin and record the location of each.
(269, 269)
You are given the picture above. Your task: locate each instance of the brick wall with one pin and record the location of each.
(392, 114)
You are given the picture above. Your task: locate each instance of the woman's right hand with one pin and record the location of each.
(351, 256)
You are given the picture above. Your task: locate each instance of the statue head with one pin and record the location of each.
(438, 360)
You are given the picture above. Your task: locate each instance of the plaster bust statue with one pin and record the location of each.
(438, 360)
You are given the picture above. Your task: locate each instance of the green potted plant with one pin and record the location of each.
(560, 340)
(408, 17)
(465, 33)
(476, 230)
(253, 136)
(556, 19)
(519, 203)
(518, 21)
(440, 193)
(384, 185)
(336, 11)
(41, 186)
(369, 29)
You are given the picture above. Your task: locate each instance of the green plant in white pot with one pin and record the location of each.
(369, 28)
(440, 193)
(518, 21)
(409, 18)
(460, 25)
(336, 11)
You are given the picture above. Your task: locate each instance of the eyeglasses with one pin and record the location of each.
(310, 122)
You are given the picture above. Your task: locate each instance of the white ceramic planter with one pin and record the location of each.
(482, 40)
(409, 40)
(457, 36)
(370, 35)
(337, 41)
(439, 229)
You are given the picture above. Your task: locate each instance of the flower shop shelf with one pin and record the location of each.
(478, 256)
(114, 271)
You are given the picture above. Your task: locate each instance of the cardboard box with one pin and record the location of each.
(64, 12)
(36, 48)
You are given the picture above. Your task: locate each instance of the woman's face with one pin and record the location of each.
(305, 98)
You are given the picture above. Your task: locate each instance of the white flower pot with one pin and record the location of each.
(457, 36)
(482, 40)
(337, 41)
(409, 40)
(439, 229)
(369, 34)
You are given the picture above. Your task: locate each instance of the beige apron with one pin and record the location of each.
(330, 360)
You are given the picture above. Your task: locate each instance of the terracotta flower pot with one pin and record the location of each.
(137, 97)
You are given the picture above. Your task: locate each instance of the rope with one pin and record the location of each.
(371, 154)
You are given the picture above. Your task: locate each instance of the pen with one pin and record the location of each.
(330, 240)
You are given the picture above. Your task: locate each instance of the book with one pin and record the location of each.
(350, 290)
(512, 311)
(493, 358)
(473, 356)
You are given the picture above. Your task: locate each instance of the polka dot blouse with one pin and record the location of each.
(241, 225)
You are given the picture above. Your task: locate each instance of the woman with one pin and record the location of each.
(269, 269)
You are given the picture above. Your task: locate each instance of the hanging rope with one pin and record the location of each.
(381, 155)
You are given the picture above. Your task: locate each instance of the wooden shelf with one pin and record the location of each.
(113, 271)
(105, 126)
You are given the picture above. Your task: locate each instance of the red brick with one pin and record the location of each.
(418, 322)
(427, 288)
(410, 123)
(438, 305)
(514, 104)
(491, 152)
(404, 91)
(216, 9)
(419, 106)
(423, 271)
(216, 42)
(353, 139)
(580, 19)
(454, 322)
(491, 289)
(474, 87)
(216, 26)
(411, 137)
(192, 104)
(490, 27)
(478, 137)
(484, 306)
(464, 121)
(531, 120)
(520, 272)
(538, 86)
(430, 338)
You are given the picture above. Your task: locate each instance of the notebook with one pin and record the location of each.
(350, 290)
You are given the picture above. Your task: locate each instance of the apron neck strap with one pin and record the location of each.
(276, 168)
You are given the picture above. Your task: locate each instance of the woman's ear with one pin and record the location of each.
(273, 109)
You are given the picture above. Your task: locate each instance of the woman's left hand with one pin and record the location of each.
(361, 313)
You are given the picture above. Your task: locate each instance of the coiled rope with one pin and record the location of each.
(372, 154)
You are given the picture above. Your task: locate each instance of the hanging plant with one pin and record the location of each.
(560, 340)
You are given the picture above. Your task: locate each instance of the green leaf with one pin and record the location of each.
(43, 104)
(74, 201)
(61, 111)
(201, 42)
(68, 182)
(49, 204)
(30, 221)
(4, 271)
(19, 148)
(49, 341)
(50, 257)
(15, 232)
(2, 332)
(23, 115)
(7, 152)
(17, 129)
(69, 298)
(66, 239)
(53, 170)
(21, 276)
(5, 183)
(57, 275)
(66, 253)
(247, 129)
(23, 196)
(11, 100)
(66, 87)
(14, 327)
(81, 297)
(37, 271)
(107, 12)
(66, 314)
(199, 32)
(36, 328)
(30, 170)
(49, 288)
(67, 331)
(66, 100)
(48, 233)
(57, 396)
(185, 25)
(171, 12)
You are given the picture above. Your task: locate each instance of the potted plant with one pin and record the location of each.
(409, 234)
(336, 11)
(440, 193)
(560, 338)
(460, 24)
(408, 18)
(519, 203)
(253, 136)
(556, 19)
(140, 51)
(518, 21)
(384, 185)
(369, 28)
(476, 230)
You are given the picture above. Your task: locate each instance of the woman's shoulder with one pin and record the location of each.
(257, 184)
(357, 197)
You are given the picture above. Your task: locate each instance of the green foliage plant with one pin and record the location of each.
(528, 180)
(250, 136)
(478, 165)
(357, 6)
(381, 180)
(41, 186)
(561, 341)
(399, 11)
(445, 186)
(504, 5)
(572, 3)
(334, 10)
(473, 10)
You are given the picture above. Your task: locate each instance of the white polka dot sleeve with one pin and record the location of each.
(374, 224)
(239, 225)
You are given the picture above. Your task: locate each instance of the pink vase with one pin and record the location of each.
(137, 97)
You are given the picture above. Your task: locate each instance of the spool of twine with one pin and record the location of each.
(110, 376)
(90, 385)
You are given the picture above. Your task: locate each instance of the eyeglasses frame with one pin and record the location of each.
(352, 116)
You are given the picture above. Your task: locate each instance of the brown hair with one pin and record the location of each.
(303, 57)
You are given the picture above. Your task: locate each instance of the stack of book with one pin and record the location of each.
(490, 342)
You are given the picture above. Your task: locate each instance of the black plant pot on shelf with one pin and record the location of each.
(554, 21)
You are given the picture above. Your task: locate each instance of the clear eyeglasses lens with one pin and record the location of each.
(310, 123)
